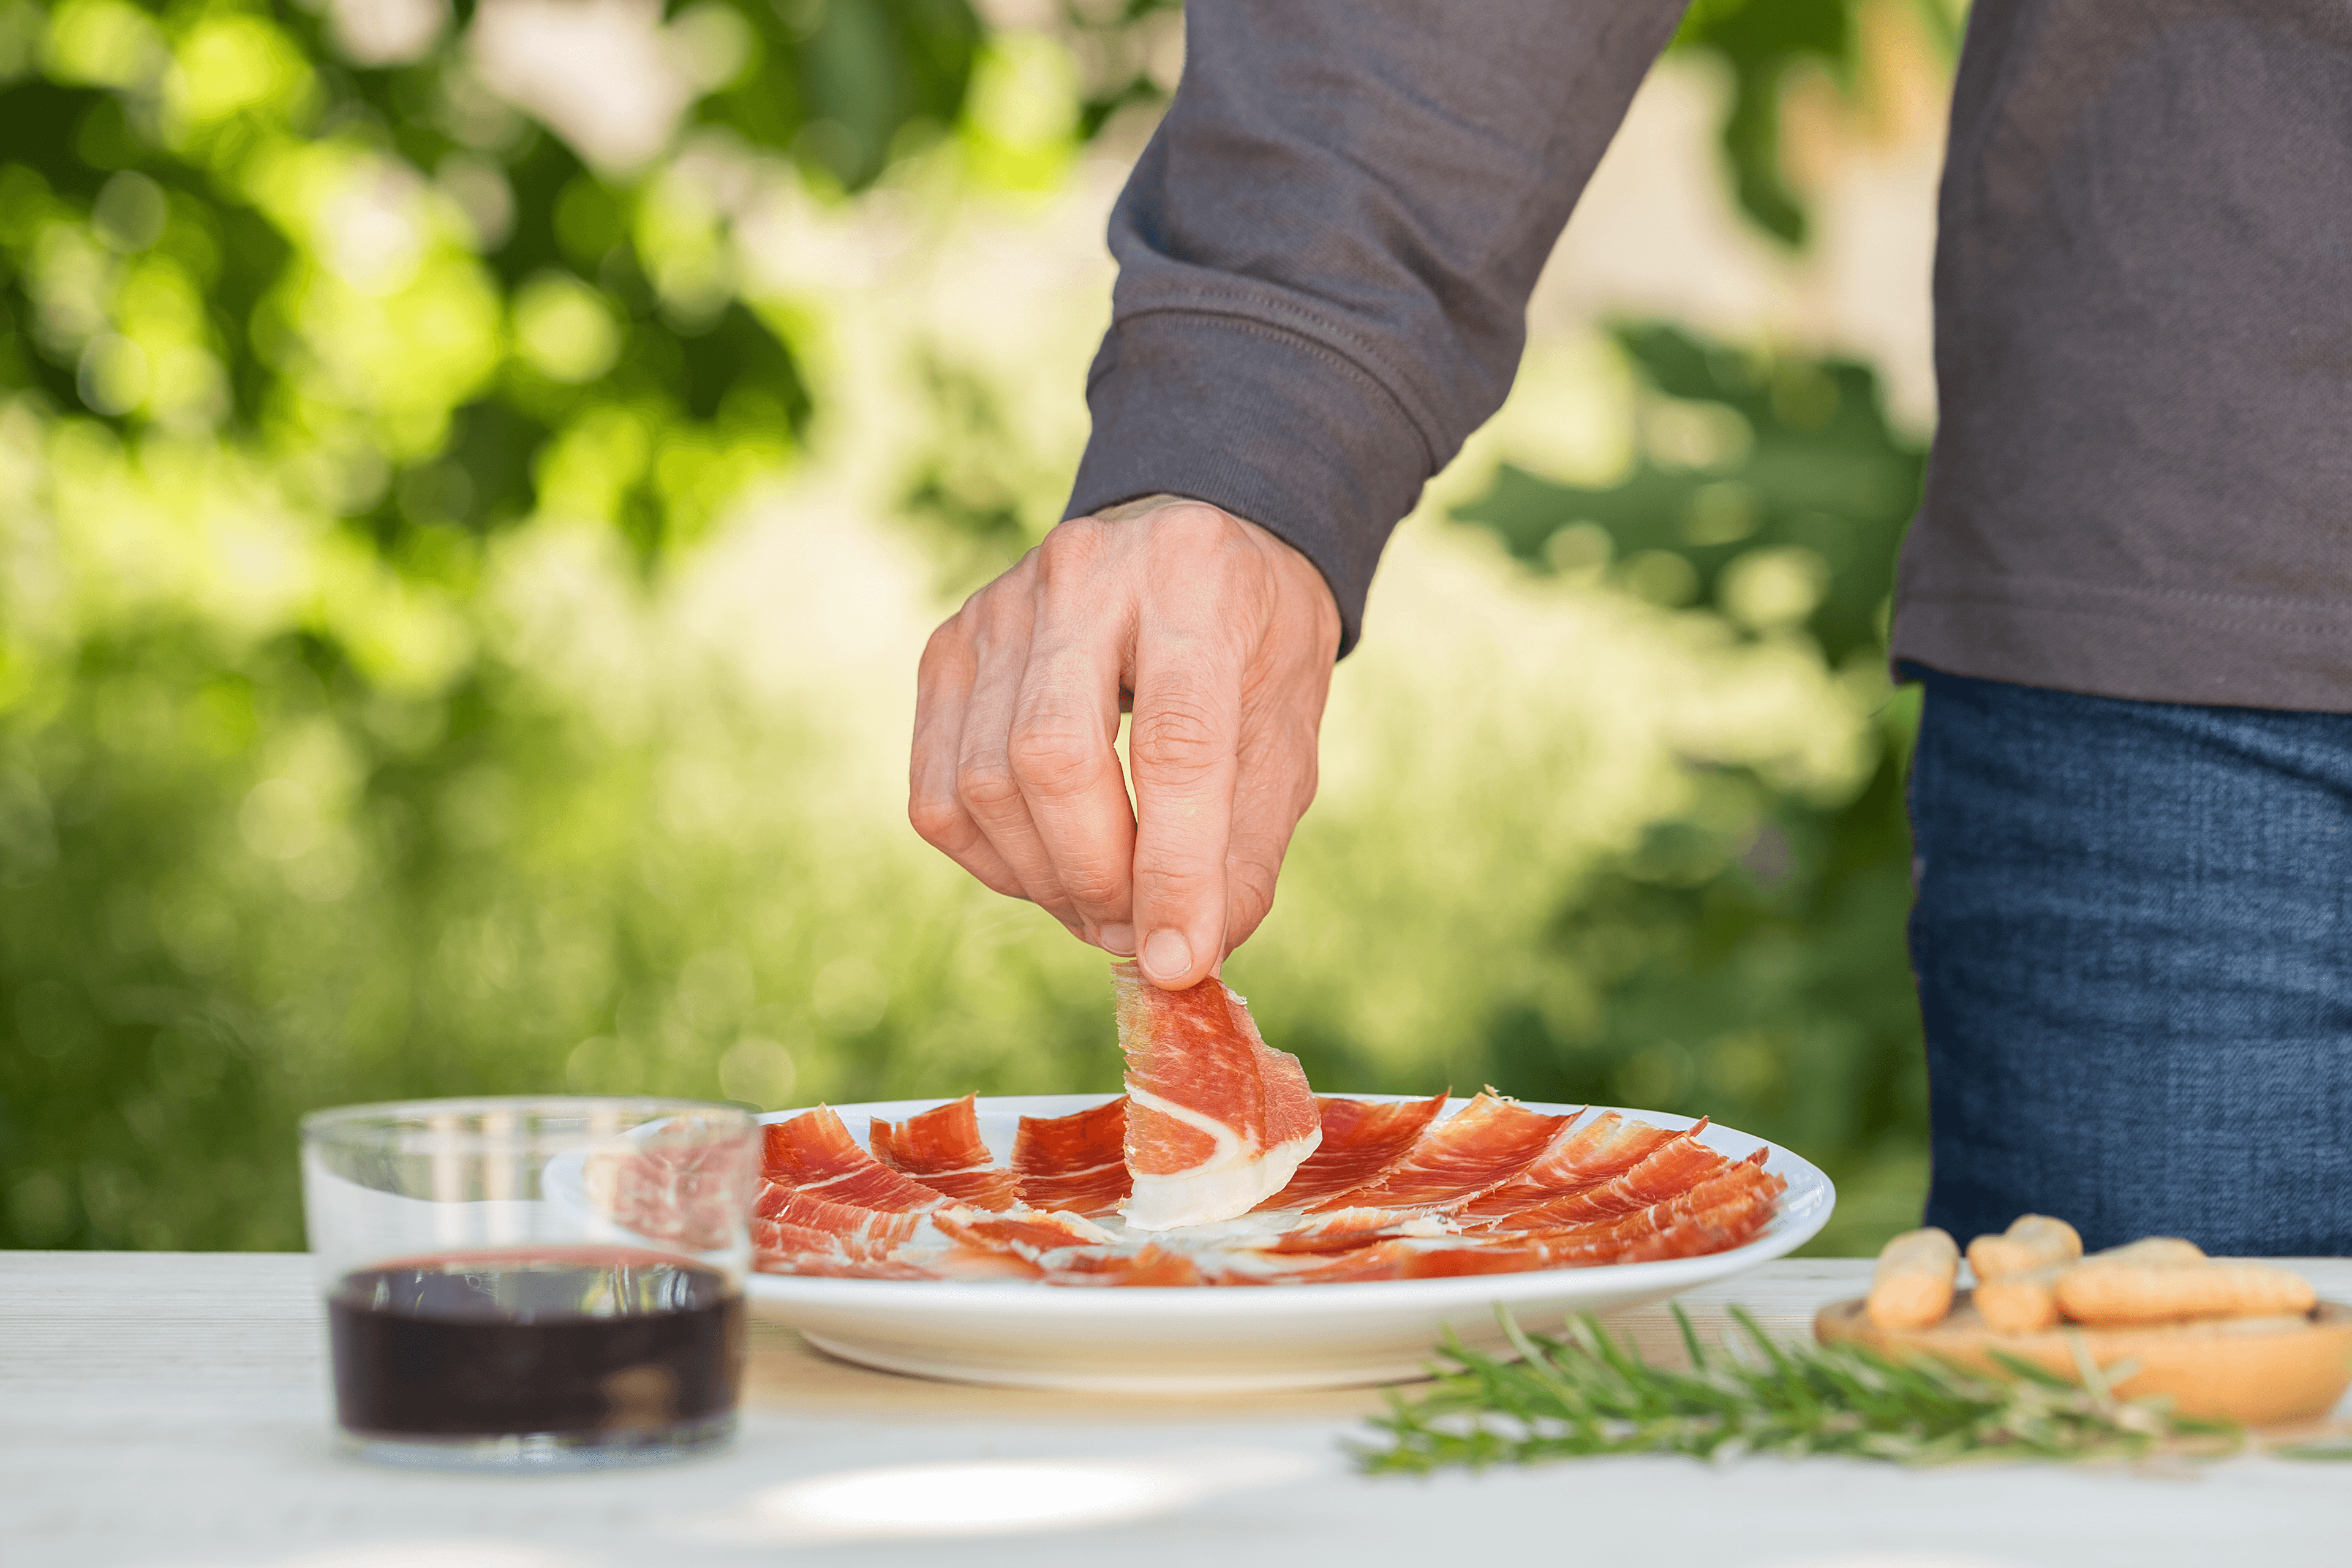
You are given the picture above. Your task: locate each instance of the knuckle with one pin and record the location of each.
(947, 645)
(986, 607)
(986, 785)
(1178, 737)
(1012, 579)
(1070, 546)
(938, 818)
(975, 607)
(1191, 522)
(1173, 872)
(1250, 884)
(1050, 757)
(1096, 888)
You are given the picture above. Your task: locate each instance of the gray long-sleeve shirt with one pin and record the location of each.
(2143, 311)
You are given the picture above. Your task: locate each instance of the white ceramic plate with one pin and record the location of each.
(1196, 1339)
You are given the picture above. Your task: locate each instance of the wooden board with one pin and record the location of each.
(2257, 1370)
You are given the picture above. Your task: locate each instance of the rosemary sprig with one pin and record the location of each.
(1585, 1394)
(2336, 1452)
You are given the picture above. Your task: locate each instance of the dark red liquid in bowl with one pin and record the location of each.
(560, 1341)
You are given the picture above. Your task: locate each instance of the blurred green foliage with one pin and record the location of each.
(365, 407)
(258, 256)
(1759, 43)
(218, 220)
(1751, 952)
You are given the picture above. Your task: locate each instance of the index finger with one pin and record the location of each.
(1185, 749)
(1061, 741)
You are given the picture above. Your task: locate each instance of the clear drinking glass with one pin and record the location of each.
(532, 1283)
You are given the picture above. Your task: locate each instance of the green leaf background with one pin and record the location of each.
(394, 699)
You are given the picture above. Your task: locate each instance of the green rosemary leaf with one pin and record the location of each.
(2027, 1371)
(2332, 1453)
(1691, 1346)
(1584, 1394)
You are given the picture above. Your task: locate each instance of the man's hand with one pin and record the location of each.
(1224, 635)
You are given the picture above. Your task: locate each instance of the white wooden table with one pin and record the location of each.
(169, 1411)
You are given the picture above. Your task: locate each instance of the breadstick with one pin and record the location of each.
(1912, 1285)
(2153, 1252)
(2033, 1241)
(2019, 1303)
(2107, 1295)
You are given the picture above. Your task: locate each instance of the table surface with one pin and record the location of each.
(169, 1410)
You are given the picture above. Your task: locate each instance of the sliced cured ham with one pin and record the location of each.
(846, 1223)
(1077, 1164)
(1581, 1157)
(1028, 1234)
(777, 1250)
(1736, 1225)
(1738, 1188)
(1674, 1168)
(942, 1149)
(798, 1232)
(1145, 1265)
(1217, 1120)
(1450, 1262)
(689, 1196)
(1724, 1213)
(1343, 1228)
(1363, 1141)
(1008, 1245)
(1676, 1228)
(1469, 1154)
(814, 1153)
(1362, 1264)
(801, 1233)
(1361, 1191)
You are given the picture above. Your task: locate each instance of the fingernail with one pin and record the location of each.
(1167, 955)
(1117, 939)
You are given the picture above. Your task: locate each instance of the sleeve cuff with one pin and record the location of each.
(1269, 426)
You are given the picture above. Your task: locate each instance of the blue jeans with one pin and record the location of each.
(2133, 937)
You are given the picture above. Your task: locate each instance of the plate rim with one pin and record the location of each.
(1665, 1276)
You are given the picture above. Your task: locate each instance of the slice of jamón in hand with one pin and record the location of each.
(1217, 1119)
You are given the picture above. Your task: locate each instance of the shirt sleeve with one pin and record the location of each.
(1326, 251)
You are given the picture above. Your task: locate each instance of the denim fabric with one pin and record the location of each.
(2133, 938)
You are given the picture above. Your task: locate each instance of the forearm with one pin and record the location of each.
(1327, 250)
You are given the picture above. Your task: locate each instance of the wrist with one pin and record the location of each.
(1128, 510)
